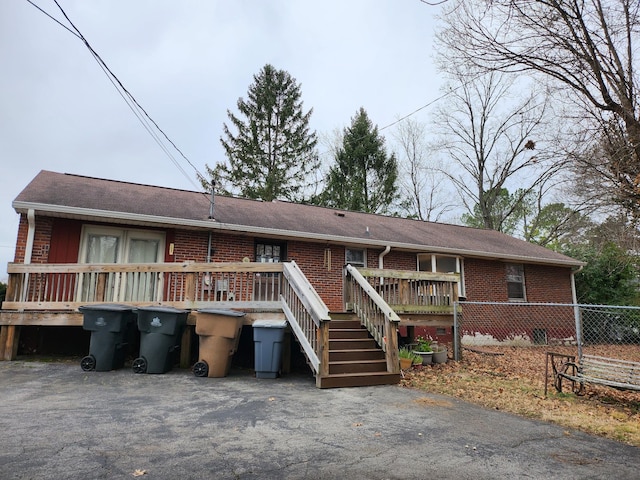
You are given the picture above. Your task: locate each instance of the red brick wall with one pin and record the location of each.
(486, 280)
(41, 240)
(325, 277)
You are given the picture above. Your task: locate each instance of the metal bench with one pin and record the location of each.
(611, 372)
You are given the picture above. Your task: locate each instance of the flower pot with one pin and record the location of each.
(405, 363)
(426, 357)
(440, 355)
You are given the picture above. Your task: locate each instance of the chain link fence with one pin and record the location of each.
(573, 328)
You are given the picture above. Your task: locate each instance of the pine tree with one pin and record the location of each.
(271, 153)
(363, 177)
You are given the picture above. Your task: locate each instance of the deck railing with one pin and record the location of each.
(308, 317)
(414, 292)
(375, 314)
(182, 285)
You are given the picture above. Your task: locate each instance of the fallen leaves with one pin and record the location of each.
(514, 382)
(138, 472)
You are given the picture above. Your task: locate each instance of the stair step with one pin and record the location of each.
(358, 379)
(344, 333)
(344, 317)
(341, 324)
(355, 355)
(352, 343)
(358, 366)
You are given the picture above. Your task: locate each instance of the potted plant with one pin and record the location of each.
(439, 353)
(417, 359)
(406, 358)
(423, 348)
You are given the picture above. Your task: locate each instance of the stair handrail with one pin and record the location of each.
(307, 314)
(387, 337)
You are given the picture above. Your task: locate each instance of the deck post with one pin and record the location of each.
(393, 362)
(9, 336)
(185, 347)
(190, 287)
(323, 343)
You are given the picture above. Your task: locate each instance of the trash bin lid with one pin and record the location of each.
(222, 311)
(108, 307)
(162, 309)
(270, 323)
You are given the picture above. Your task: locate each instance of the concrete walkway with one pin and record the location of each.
(58, 422)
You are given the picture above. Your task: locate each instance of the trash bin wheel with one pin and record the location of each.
(88, 363)
(201, 369)
(139, 365)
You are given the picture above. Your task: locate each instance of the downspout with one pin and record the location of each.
(386, 250)
(576, 311)
(31, 233)
(28, 249)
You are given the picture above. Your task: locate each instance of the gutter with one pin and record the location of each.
(136, 218)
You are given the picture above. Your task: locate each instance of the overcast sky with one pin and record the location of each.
(187, 62)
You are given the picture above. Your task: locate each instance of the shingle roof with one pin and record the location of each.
(85, 197)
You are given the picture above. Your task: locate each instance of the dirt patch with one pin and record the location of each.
(514, 382)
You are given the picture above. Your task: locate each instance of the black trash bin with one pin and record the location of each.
(268, 336)
(219, 334)
(160, 334)
(112, 330)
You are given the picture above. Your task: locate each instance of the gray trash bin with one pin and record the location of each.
(218, 337)
(267, 338)
(112, 328)
(160, 335)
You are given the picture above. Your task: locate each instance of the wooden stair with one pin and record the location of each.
(355, 360)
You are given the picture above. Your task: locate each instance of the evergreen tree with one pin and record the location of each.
(269, 148)
(363, 177)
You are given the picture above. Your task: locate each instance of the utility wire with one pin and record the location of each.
(141, 114)
(144, 118)
(122, 88)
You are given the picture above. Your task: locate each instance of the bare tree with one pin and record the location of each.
(587, 46)
(495, 141)
(423, 194)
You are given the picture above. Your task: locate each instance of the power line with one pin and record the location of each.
(141, 114)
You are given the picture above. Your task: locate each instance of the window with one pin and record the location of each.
(515, 281)
(115, 245)
(269, 252)
(355, 257)
(439, 263)
(112, 245)
(443, 264)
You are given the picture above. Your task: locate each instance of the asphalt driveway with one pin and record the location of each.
(58, 422)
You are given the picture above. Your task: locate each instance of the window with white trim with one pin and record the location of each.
(356, 257)
(443, 264)
(115, 245)
(515, 281)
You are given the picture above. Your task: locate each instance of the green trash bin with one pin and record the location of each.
(112, 328)
(161, 331)
(267, 338)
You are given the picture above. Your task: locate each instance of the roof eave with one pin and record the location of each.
(137, 218)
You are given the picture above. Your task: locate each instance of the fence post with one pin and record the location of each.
(578, 318)
(457, 353)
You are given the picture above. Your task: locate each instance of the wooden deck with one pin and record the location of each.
(50, 295)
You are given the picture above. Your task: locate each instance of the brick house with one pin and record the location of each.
(418, 268)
